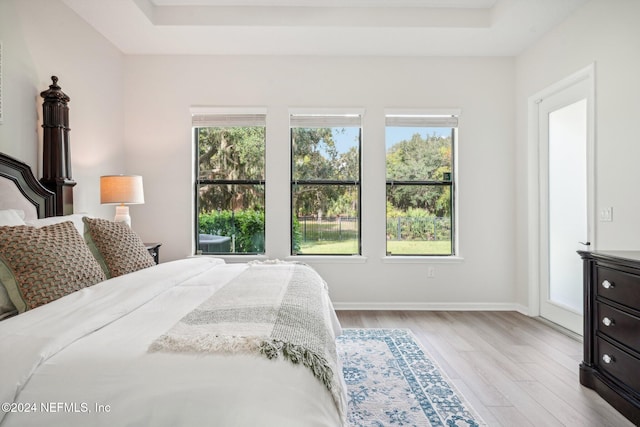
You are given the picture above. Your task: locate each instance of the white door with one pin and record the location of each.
(565, 193)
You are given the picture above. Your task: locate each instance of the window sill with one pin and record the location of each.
(311, 259)
(328, 259)
(234, 258)
(422, 259)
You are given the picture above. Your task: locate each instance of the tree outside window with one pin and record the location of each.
(230, 195)
(325, 184)
(420, 184)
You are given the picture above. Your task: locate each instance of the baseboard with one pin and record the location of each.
(434, 306)
(522, 309)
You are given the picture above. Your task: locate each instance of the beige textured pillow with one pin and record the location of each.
(39, 265)
(118, 249)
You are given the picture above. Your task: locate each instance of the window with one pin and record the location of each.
(420, 184)
(230, 171)
(325, 184)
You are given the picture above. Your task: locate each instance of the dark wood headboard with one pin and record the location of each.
(56, 156)
(53, 194)
(34, 192)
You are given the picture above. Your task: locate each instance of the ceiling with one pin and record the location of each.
(324, 27)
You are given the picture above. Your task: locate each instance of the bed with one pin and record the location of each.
(191, 342)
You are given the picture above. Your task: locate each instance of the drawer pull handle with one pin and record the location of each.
(607, 359)
(607, 284)
(608, 322)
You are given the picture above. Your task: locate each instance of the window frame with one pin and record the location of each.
(198, 117)
(444, 118)
(326, 114)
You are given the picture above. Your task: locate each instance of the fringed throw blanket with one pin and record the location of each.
(274, 309)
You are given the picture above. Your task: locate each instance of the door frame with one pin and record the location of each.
(534, 177)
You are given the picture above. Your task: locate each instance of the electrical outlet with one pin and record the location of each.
(431, 272)
(606, 214)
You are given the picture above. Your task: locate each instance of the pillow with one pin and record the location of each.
(7, 308)
(11, 217)
(8, 217)
(118, 249)
(40, 265)
(75, 218)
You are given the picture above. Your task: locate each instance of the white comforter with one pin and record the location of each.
(83, 360)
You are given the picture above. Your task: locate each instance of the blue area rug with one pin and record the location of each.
(391, 381)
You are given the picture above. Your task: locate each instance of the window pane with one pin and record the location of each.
(231, 218)
(419, 175)
(326, 219)
(231, 153)
(418, 153)
(419, 220)
(326, 153)
(230, 198)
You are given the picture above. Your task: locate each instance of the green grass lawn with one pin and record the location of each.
(419, 247)
(329, 247)
(350, 247)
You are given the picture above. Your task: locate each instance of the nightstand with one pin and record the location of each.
(154, 250)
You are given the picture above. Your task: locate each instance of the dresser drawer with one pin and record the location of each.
(618, 363)
(621, 326)
(618, 286)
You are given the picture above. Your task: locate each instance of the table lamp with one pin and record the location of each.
(121, 190)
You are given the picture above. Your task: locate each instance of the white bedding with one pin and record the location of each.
(83, 360)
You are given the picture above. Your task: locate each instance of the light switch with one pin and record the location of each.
(606, 214)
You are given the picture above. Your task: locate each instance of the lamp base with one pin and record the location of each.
(122, 215)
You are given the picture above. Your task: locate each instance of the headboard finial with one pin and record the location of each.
(54, 93)
(56, 159)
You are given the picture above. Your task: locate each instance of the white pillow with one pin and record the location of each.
(75, 218)
(11, 217)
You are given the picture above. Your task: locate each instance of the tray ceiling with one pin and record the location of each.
(327, 27)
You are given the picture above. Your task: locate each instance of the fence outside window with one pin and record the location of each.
(328, 228)
(341, 228)
(412, 228)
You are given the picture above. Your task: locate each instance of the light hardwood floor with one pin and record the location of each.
(514, 370)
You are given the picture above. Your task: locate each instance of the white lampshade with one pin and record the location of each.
(121, 190)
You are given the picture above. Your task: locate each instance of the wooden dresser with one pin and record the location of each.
(611, 364)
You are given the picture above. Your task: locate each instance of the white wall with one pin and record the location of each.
(151, 136)
(131, 114)
(159, 90)
(604, 32)
(42, 38)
